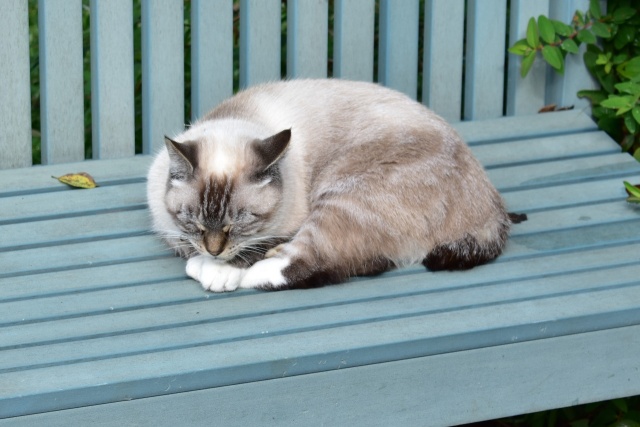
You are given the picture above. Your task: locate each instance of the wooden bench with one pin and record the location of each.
(100, 326)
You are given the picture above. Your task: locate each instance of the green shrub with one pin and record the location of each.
(612, 57)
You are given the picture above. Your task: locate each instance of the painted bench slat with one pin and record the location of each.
(395, 392)
(162, 72)
(443, 57)
(134, 168)
(525, 96)
(75, 229)
(134, 220)
(109, 318)
(80, 255)
(484, 71)
(494, 156)
(211, 54)
(307, 41)
(353, 39)
(259, 41)
(561, 90)
(398, 51)
(15, 108)
(325, 349)
(250, 328)
(557, 172)
(112, 106)
(61, 80)
(72, 202)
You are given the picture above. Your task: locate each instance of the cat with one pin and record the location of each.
(303, 183)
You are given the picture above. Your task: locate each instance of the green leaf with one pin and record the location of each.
(562, 28)
(632, 199)
(635, 111)
(586, 36)
(630, 123)
(621, 404)
(636, 156)
(624, 36)
(627, 422)
(621, 103)
(620, 58)
(521, 47)
(603, 59)
(570, 46)
(533, 39)
(547, 31)
(630, 69)
(627, 143)
(594, 8)
(629, 87)
(527, 62)
(622, 14)
(632, 189)
(553, 56)
(595, 96)
(601, 29)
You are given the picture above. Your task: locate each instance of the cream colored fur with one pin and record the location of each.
(368, 175)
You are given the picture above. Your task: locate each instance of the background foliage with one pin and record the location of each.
(612, 57)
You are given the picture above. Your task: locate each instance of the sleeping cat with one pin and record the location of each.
(304, 183)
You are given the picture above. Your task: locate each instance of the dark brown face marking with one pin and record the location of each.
(215, 197)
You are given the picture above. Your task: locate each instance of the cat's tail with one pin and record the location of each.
(470, 251)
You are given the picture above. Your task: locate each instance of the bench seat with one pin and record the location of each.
(100, 325)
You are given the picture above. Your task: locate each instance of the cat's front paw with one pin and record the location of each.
(214, 275)
(266, 274)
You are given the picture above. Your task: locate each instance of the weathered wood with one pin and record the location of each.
(211, 54)
(563, 89)
(307, 41)
(443, 57)
(61, 81)
(353, 39)
(15, 103)
(259, 41)
(395, 392)
(484, 60)
(162, 71)
(112, 106)
(398, 52)
(525, 95)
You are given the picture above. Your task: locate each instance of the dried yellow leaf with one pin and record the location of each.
(79, 180)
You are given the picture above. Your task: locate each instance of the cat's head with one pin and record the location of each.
(222, 198)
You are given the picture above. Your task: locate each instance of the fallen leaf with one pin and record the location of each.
(553, 107)
(548, 108)
(78, 180)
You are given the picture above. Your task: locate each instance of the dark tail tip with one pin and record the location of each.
(517, 218)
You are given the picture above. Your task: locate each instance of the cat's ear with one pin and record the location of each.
(271, 149)
(183, 157)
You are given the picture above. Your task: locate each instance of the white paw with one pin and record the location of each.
(214, 275)
(266, 273)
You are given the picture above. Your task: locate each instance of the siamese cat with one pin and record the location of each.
(304, 183)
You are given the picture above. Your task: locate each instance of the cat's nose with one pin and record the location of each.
(214, 243)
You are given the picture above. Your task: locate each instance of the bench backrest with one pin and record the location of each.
(453, 59)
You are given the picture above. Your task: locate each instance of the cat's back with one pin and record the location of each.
(322, 103)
